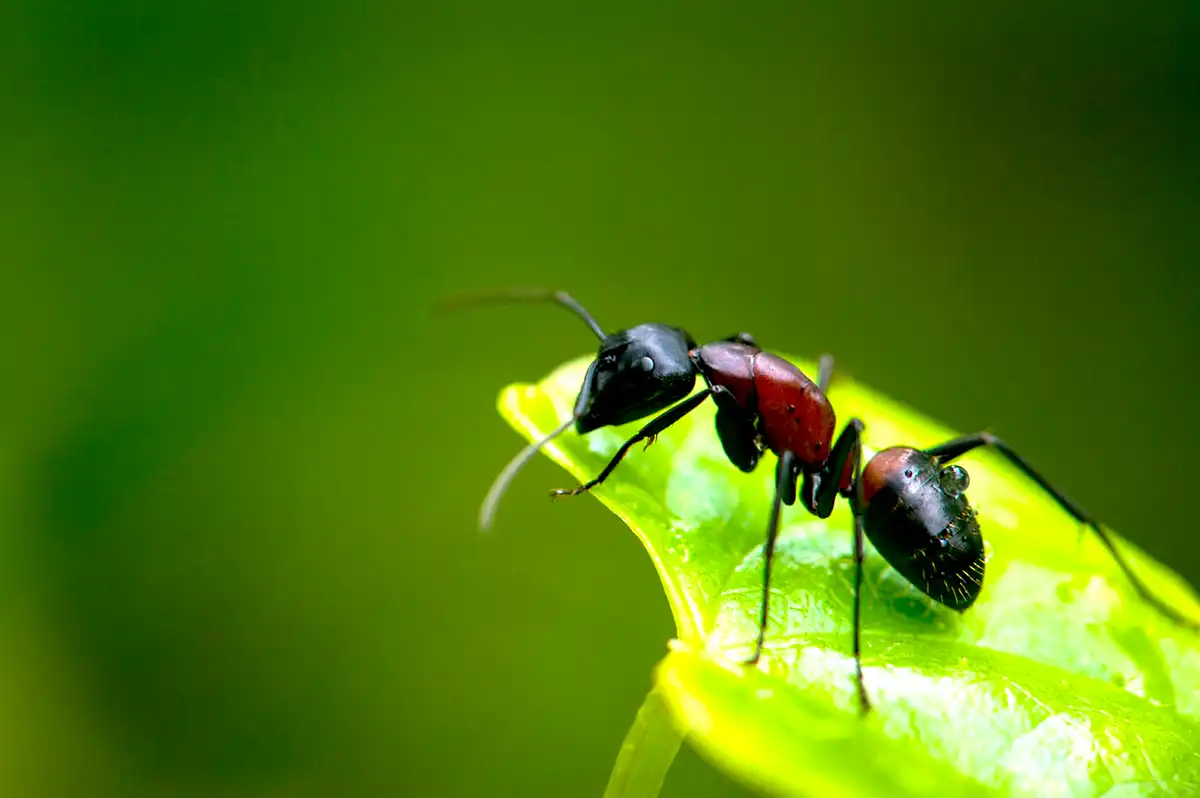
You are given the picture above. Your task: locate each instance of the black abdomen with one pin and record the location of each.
(918, 518)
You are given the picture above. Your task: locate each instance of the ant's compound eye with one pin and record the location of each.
(955, 480)
(644, 363)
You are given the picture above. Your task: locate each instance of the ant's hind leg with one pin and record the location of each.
(820, 489)
(856, 503)
(959, 446)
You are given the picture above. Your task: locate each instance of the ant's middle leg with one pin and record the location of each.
(959, 446)
(785, 487)
(648, 432)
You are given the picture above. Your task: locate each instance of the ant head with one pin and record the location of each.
(637, 372)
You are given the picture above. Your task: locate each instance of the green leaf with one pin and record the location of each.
(1058, 681)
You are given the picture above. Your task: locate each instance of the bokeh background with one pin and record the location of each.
(241, 455)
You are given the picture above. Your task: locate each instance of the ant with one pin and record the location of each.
(910, 503)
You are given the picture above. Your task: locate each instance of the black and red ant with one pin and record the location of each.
(910, 503)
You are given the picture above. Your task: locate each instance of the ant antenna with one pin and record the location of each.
(487, 511)
(531, 295)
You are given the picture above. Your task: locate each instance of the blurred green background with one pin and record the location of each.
(241, 456)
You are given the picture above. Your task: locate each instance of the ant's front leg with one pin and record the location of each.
(647, 432)
(737, 433)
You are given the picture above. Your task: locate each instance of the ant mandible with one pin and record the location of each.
(910, 503)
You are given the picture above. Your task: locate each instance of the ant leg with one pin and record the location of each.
(785, 484)
(856, 503)
(657, 425)
(825, 373)
(959, 446)
(819, 497)
(820, 489)
(743, 338)
(737, 433)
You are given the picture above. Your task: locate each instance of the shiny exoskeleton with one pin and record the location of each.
(910, 503)
(917, 516)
